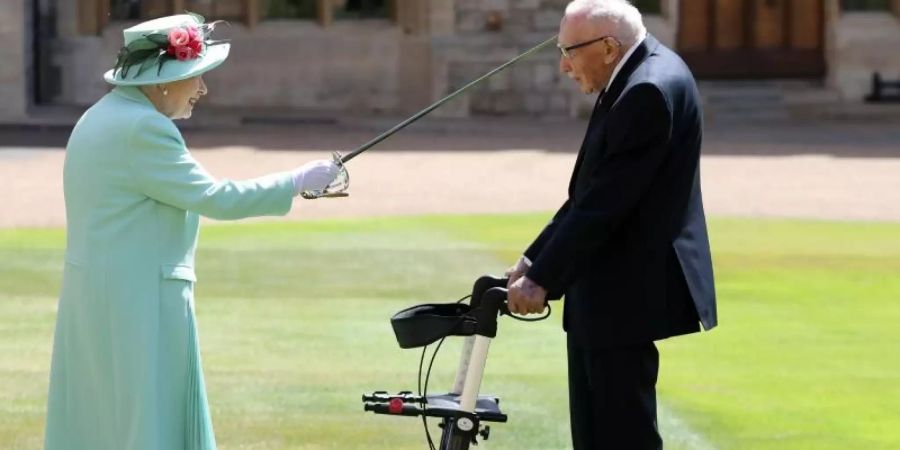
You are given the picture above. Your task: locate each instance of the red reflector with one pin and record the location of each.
(395, 406)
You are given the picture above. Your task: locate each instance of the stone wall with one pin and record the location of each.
(349, 66)
(368, 66)
(862, 43)
(373, 66)
(15, 63)
(488, 33)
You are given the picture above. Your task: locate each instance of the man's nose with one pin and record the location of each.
(564, 66)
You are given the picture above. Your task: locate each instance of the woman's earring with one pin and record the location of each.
(165, 92)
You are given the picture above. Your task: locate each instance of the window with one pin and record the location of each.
(649, 7)
(125, 9)
(361, 9)
(94, 15)
(217, 9)
(866, 5)
(291, 9)
(150, 9)
(338, 9)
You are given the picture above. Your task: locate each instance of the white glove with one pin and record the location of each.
(314, 175)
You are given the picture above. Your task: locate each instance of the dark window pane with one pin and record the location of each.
(866, 5)
(224, 9)
(215, 9)
(291, 9)
(125, 9)
(647, 6)
(151, 9)
(361, 9)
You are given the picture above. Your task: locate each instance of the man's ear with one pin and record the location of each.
(610, 53)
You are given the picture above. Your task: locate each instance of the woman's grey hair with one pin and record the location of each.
(621, 18)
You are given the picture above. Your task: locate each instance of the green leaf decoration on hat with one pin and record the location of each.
(158, 39)
(200, 19)
(141, 44)
(148, 63)
(163, 58)
(133, 57)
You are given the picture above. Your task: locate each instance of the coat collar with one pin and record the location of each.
(647, 47)
(132, 93)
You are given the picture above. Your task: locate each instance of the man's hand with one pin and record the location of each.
(526, 297)
(517, 271)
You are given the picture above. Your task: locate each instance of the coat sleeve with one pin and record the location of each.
(638, 133)
(534, 249)
(164, 170)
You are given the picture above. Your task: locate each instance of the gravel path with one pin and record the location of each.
(813, 172)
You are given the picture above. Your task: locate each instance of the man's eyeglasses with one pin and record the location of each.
(565, 49)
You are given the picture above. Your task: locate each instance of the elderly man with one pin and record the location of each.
(629, 248)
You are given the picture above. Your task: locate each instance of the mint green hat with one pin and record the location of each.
(167, 49)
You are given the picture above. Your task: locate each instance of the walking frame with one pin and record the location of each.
(463, 411)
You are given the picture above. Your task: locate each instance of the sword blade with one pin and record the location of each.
(422, 113)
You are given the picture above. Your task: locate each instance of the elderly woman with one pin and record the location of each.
(126, 372)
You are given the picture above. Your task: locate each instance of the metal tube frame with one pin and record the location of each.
(459, 432)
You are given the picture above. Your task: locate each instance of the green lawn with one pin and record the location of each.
(294, 327)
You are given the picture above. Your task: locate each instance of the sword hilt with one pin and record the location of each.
(337, 188)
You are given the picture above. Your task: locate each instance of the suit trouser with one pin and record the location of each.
(612, 397)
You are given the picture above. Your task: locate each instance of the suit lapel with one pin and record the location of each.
(607, 99)
(611, 95)
(594, 125)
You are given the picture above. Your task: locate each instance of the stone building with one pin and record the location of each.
(333, 57)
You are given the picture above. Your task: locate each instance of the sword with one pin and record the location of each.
(341, 183)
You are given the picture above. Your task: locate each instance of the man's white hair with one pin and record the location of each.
(623, 19)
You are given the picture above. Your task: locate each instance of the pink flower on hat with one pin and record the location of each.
(196, 46)
(185, 53)
(179, 37)
(193, 32)
(185, 43)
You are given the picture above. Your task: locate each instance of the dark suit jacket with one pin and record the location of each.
(629, 247)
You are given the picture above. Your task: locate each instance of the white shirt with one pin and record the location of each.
(622, 62)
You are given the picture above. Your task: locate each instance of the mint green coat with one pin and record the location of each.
(126, 372)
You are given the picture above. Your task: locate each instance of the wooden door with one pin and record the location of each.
(752, 38)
